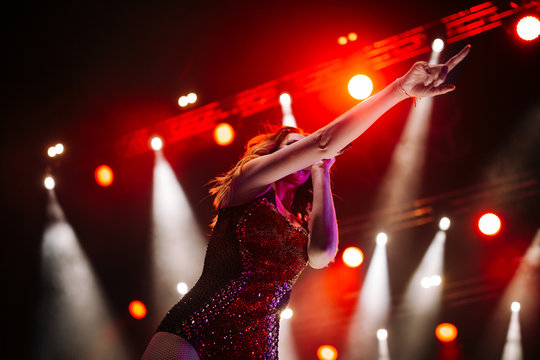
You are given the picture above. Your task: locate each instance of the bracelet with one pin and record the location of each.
(404, 92)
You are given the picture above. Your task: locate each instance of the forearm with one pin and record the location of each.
(323, 240)
(349, 126)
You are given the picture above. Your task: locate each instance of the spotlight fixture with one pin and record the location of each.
(382, 238)
(382, 334)
(49, 183)
(182, 288)
(437, 45)
(515, 307)
(156, 143)
(444, 223)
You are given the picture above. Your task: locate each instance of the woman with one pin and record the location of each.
(275, 216)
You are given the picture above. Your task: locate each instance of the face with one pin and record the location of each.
(299, 177)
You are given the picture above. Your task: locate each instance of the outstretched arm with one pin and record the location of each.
(421, 80)
(323, 229)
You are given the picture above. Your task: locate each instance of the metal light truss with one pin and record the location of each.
(383, 53)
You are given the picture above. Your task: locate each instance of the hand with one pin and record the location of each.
(424, 79)
(324, 164)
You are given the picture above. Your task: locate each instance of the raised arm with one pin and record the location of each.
(323, 229)
(422, 80)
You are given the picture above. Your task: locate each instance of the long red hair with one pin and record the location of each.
(264, 144)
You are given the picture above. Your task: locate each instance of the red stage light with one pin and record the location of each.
(327, 352)
(446, 332)
(137, 309)
(528, 28)
(353, 257)
(223, 134)
(104, 175)
(489, 224)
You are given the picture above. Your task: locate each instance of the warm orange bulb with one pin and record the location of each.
(353, 257)
(342, 40)
(327, 352)
(446, 332)
(137, 309)
(104, 175)
(223, 134)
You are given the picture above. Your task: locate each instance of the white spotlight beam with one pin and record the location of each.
(423, 303)
(178, 244)
(523, 288)
(286, 109)
(287, 349)
(73, 318)
(373, 307)
(402, 179)
(512, 347)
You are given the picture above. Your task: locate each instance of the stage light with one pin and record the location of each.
(342, 40)
(446, 332)
(191, 98)
(49, 183)
(104, 175)
(59, 148)
(515, 307)
(156, 143)
(528, 28)
(444, 223)
(285, 99)
(437, 45)
(382, 334)
(425, 282)
(287, 313)
(436, 280)
(360, 87)
(352, 257)
(327, 352)
(183, 101)
(182, 288)
(223, 134)
(382, 238)
(430, 281)
(352, 36)
(137, 309)
(489, 224)
(51, 151)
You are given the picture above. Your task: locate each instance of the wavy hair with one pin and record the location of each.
(260, 145)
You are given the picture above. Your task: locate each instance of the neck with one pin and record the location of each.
(285, 194)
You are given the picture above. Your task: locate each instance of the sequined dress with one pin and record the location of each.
(254, 257)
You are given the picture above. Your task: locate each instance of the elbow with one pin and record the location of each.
(320, 258)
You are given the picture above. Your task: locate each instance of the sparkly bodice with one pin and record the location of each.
(253, 259)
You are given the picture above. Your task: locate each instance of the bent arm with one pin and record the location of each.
(323, 228)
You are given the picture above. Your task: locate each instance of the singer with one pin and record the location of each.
(275, 215)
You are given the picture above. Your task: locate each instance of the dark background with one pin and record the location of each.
(87, 73)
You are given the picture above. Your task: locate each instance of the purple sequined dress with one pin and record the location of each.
(253, 259)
